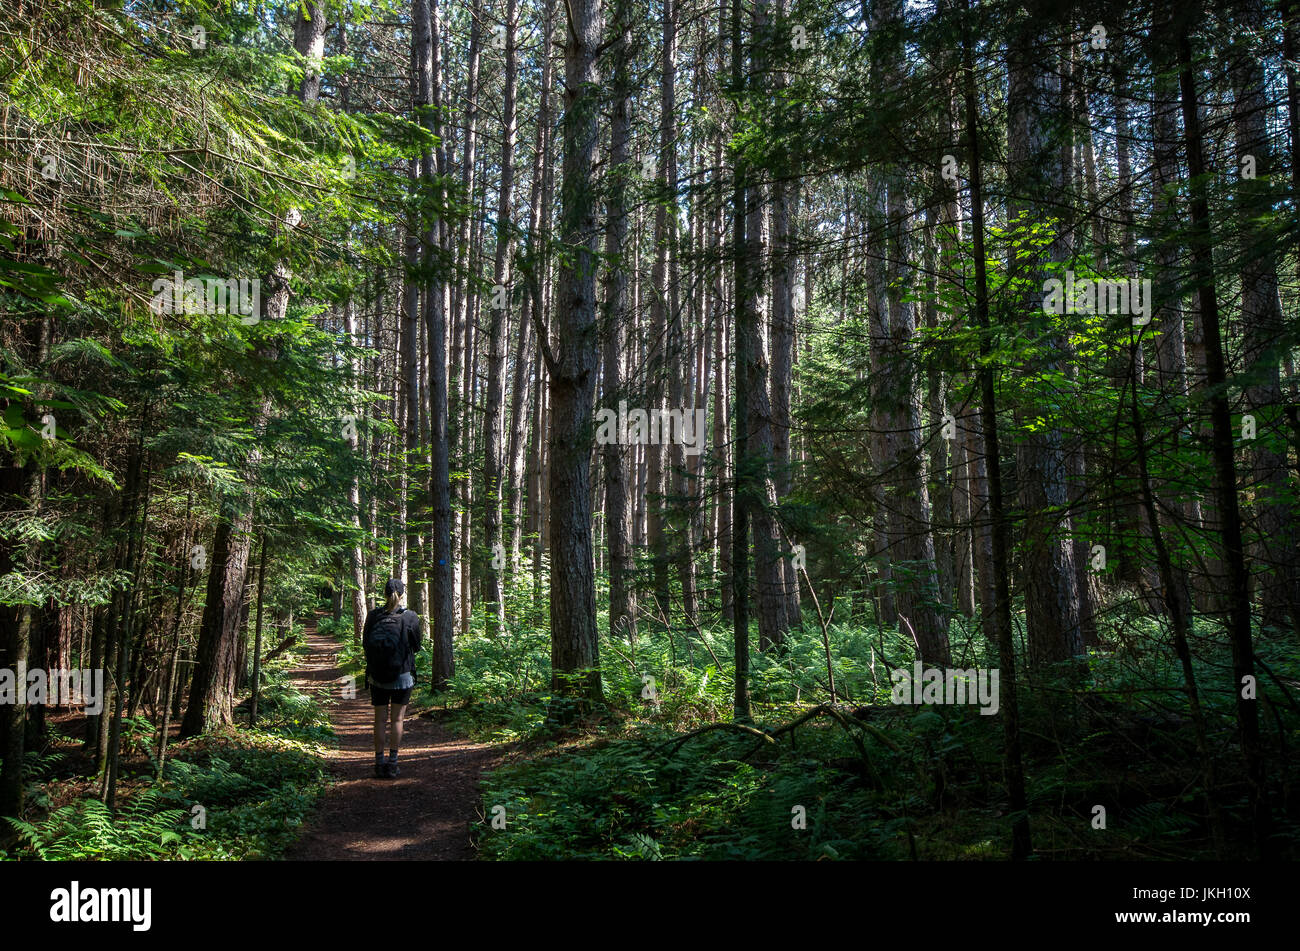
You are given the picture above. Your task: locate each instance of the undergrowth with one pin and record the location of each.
(242, 793)
(869, 779)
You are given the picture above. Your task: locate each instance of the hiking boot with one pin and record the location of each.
(381, 770)
(392, 770)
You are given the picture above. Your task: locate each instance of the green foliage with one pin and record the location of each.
(281, 708)
(86, 829)
(637, 797)
(894, 783)
(244, 794)
(256, 791)
(244, 797)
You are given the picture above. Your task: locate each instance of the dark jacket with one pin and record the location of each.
(413, 629)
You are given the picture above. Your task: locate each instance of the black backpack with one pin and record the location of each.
(385, 646)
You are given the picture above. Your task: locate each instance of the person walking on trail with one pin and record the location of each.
(391, 638)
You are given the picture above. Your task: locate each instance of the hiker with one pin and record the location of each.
(390, 638)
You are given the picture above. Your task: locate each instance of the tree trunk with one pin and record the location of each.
(257, 636)
(622, 593)
(911, 537)
(785, 202)
(210, 703)
(769, 576)
(1276, 541)
(1168, 318)
(746, 324)
(407, 408)
(1052, 604)
(461, 366)
(997, 615)
(878, 321)
(723, 470)
(496, 357)
(356, 553)
(1221, 446)
(575, 661)
(442, 591)
(15, 632)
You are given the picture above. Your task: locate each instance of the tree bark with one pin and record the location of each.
(769, 577)
(496, 358)
(1277, 574)
(1221, 445)
(785, 203)
(1052, 605)
(442, 590)
(997, 615)
(461, 366)
(575, 659)
(911, 538)
(746, 324)
(622, 593)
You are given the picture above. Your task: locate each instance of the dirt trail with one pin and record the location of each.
(426, 813)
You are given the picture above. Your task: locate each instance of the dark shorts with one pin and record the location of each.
(382, 697)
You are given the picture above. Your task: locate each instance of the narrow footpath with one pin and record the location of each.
(425, 813)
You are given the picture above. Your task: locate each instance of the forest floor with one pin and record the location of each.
(425, 813)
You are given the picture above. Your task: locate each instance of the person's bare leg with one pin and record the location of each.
(381, 715)
(395, 725)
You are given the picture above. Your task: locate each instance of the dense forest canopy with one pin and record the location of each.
(914, 379)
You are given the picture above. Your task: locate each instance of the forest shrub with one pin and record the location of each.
(253, 789)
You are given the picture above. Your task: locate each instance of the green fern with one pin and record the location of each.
(88, 830)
